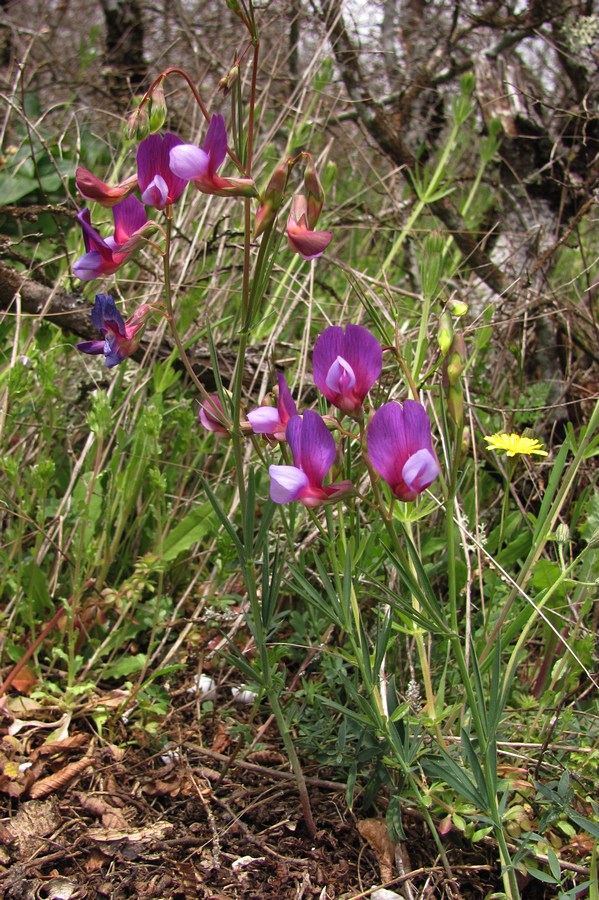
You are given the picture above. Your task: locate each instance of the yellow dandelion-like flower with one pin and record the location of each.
(515, 444)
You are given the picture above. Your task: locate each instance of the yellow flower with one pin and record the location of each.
(515, 444)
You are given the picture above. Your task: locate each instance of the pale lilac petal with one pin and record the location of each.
(286, 483)
(156, 193)
(317, 448)
(387, 444)
(188, 161)
(341, 377)
(309, 244)
(129, 217)
(215, 143)
(420, 471)
(265, 420)
(90, 266)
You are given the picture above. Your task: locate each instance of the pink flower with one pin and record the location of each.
(400, 448)
(91, 188)
(346, 365)
(211, 416)
(159, 186)
(121, 339)
(301, 238)
(313, 451)
(104, 257)
(199, 164)
(272, 420)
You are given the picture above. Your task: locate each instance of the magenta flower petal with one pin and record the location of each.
(210, 413)
(129, 218)
(316, 446)
(346, 365)
(286, 404)
(92, 188)
(215, 143)
(400, 448)
(158, 184)
(286, 483)
(309, 244)
(92, 240)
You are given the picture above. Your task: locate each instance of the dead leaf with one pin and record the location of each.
(374, 832)
(129, 843)
(25, 680)
(59, 779)
(221, 739)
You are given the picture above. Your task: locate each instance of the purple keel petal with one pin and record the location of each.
(94, 347)
(286, 483)
(90, 266)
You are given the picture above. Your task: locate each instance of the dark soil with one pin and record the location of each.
(91, 818)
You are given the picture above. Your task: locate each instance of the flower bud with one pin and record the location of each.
(453, 366)
(445, 335)
(138, 124)
(458, 307)
(562, 533)
(314, 193)
(228, 80)
(157, 109)
(272, 198)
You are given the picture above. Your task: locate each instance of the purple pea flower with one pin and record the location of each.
(272, 420)
(313, 451)
(199, 164)
(92, 188)
(211, 415)
(346, 365)
(400, 448)
(301, 236)
(104, 257)
(121, 339)
(158, 185)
